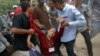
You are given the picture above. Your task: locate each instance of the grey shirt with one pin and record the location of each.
(3, 43)
(53, 13)
(95, 6)
(82, 10)
(4, 24)
(96, 10)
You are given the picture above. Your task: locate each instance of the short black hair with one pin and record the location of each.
(24, 0)
(25, 5)
(59, 1)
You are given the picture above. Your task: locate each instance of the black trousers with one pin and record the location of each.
(9, 38)
(69, 48)
(4, 53)
(87, 38)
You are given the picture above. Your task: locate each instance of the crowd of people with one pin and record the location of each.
(46, 25)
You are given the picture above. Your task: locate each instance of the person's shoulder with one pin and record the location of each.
(70, 6)
(84, 5)
(36, 9)
(17, 17)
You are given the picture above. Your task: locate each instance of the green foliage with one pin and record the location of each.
(6, 5)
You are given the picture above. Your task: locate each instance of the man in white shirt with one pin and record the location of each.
(73, 19)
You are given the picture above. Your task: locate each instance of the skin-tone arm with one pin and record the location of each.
(29, 43)
(58, 19)
(62, 21)
(38, 24)
(22, 31)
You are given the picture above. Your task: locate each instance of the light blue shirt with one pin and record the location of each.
(74, 18)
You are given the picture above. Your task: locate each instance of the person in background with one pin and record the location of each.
(14, 7)
(85, 29)
(18, 9)
(41, 14)
(3, 45)
(71, 2)
(94, 6)
(53, 14)
(3, 41)
(5, 21)
(73, 19)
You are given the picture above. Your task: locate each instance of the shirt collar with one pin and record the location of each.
(65, 7)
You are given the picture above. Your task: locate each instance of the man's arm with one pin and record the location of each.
(22, 31)
(29, 43)
(79, 19)
(17, 26)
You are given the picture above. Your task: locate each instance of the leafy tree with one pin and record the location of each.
(6, 5)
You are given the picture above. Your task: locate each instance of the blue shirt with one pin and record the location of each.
(74, 18)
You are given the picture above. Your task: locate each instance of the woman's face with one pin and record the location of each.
(51, 32)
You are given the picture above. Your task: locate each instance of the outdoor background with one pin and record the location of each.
(80, 47)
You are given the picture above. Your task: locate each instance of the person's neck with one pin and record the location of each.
(78, 6)
(26, 13)
(63, 5)
(48, 37)
(40, 6)
(52, 8)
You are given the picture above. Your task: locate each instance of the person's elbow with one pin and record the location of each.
(14, 30)
(84, 22)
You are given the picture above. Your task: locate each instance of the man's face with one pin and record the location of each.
(58, 6)
(78, 2)
(50, 4)
(41, 4)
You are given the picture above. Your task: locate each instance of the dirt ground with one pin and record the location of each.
(80, 46)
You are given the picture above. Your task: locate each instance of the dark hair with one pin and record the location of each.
(24, 0)
(25, 5)
(59, 1)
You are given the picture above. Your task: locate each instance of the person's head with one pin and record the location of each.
(50, 4)
(25, 6)
(24, 0)
(78, 3)
(66, 0)
(51, 32)
(41, 2)
(15, 7)
(59, 4)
